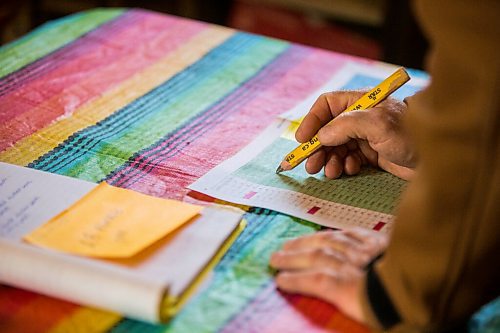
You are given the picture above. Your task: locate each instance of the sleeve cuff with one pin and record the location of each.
(380, 306)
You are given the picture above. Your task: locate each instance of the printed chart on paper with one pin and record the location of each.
(367, 199)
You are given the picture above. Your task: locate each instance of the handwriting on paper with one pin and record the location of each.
(111, 222)
(15, 203)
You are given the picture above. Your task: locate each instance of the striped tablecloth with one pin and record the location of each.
(152, 102)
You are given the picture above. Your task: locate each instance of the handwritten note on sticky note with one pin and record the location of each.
(110, 222)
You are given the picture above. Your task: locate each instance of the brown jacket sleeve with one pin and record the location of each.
(442, 262)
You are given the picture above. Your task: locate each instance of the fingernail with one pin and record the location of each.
(279, 279)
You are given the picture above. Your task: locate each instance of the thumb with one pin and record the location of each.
(349, 125)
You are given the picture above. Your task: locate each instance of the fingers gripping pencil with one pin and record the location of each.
(368, 100)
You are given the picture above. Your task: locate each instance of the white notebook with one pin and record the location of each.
(150, 286)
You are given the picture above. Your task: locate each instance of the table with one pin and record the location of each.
(151, 102)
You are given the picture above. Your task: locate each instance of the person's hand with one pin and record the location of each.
(356, 138)
(329, 265)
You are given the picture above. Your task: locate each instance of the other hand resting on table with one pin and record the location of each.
(329, 265)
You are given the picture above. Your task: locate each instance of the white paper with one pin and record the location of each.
(132, 287)
(27, 199)
(224, 183)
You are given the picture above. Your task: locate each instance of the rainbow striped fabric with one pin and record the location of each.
(151, 102)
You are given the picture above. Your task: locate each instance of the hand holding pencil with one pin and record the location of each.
(342, 141)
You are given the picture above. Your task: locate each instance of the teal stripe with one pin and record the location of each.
(229, 71)
(51, 36)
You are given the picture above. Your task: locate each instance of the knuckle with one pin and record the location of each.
(335, 239)
(380, 116)
(324, 95)
(359, 231)
(385, 121)
(324, 257)
(320, 279)
(318, 255)
(370, 242)
(363, 259)
(326, 235)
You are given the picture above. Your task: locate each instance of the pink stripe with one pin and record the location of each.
(249, 195)
(86, 77)
(67, 52)
(43, 74)
(237, 130)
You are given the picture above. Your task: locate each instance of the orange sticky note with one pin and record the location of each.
(110, 222)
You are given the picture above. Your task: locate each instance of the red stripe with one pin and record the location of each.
(313, 210)
(200, 196)
(13, 299)
(379, 226)
(249, 195)
(24, 311)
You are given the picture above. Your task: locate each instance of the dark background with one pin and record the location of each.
(376, 29)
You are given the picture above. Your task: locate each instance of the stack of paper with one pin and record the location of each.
(106, 247)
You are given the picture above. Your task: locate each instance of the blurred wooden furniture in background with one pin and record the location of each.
(15, 20)
(376, 29)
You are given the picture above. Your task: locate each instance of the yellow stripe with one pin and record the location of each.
(86, 320)
(46, 139)
(226, 203)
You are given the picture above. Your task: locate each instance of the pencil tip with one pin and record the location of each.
(279, 169)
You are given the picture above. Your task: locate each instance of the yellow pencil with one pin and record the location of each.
(368, 100)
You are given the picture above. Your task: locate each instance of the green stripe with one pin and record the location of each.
(51, 36)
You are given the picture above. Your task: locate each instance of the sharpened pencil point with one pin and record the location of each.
(279, 169)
